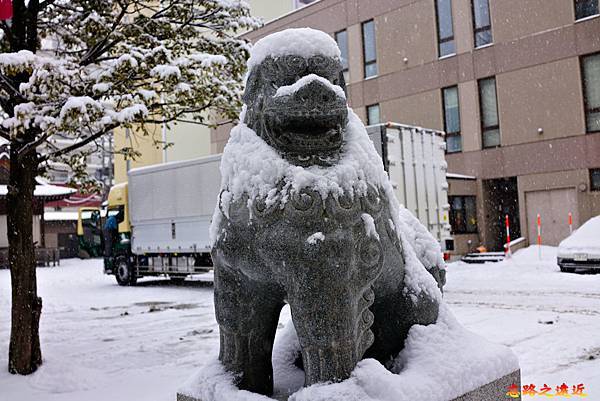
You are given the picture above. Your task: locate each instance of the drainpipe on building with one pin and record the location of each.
(128, 161)
(164, 134)
(164, 141)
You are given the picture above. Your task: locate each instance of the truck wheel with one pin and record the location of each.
(177, 279)
(124, 272)
(567, 269)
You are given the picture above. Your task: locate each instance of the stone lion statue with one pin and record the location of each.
(307, 216)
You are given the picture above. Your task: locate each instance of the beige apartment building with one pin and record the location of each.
(514, 83)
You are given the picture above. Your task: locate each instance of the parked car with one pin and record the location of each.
(581, 250)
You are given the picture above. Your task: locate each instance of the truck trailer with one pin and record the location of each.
(415, 161)
(164, 211)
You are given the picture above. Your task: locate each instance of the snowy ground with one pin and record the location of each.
(104, 342)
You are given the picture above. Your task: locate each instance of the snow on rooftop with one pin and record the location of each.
(60, 216)
(305, 42)
(44, 190)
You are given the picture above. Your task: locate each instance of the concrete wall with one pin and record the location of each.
(537, 97)
(189, 141)
(150, 153)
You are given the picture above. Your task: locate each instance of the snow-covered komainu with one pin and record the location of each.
(307, 216)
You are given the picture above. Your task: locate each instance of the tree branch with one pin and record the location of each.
(9, 87)
(45, 4)
(80, 144)
(103, 46)
(4, 134)
(33, 145)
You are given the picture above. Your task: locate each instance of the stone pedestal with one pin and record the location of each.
(493, 391)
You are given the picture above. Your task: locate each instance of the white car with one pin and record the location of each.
(581, 250)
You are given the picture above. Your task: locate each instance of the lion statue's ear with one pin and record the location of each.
(251, 87)
(251, 93)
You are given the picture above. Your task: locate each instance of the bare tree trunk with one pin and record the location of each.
(24, 355)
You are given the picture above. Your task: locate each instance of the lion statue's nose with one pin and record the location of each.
(315, 93)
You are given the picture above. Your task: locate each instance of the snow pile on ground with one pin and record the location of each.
(305, 42)
(101, 341)
(585, 240)
(439, 362)
(550, 319)
(104, 342)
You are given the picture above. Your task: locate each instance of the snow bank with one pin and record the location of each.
(305, 42)
(531, 254)
(439, 362)
(586, 239)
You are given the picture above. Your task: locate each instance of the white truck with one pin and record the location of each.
(414, 159)
(164, 211)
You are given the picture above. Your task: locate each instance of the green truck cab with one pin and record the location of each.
(115, 245)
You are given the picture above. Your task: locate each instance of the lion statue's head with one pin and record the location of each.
(295, 98)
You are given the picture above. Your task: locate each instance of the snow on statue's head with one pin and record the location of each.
(295, 95)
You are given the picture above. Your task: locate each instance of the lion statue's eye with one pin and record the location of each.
(295, 65)
(319, 63)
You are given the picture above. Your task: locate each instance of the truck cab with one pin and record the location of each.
(118, 259)
(89, 232)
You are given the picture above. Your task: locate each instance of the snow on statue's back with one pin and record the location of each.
(300, 167)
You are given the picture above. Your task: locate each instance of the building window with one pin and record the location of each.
(369, 50)
(373, 114)
(586, 8)
(595, 179)
(590, 66)
(302, 3)
(488, 107)
(463, 214)
(482, 23)
(341, 38)
(445, 31)
(452, 119)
